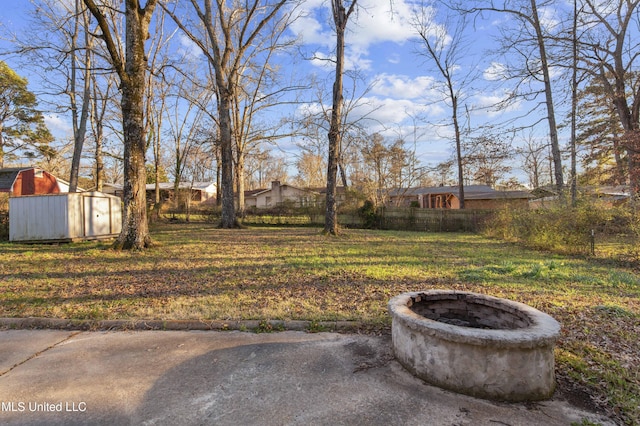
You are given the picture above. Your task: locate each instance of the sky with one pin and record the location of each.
(403, 98)
(406, 97)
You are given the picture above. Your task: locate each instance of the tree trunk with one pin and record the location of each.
(632, 142)
(551, 118)
(340, 17)
(228, 219)
(98, 157)
(343, 175)
(135, 230)
(97, 117)
(1, 147)
(79, 127)
(218, 175)
(456, 128)
(574, 104)
(240, 183)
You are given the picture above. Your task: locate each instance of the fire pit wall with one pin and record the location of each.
(475, 344)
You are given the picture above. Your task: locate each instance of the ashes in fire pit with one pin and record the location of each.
(475, 344)
(469, 310)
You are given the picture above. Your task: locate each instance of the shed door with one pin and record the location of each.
(97, 220)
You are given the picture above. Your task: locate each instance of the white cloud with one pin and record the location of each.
(58, 126)
(373, 22)
(494, 104)
(380, 113)
(401, 86)
(495, 71)
(394, 59)
(387, 112)
(188, 48)
(549, 18)
(322, 60)
(377, 21)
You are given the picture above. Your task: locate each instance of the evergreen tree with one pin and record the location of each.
(604, 159)
(22, 127)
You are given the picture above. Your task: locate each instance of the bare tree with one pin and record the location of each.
(527, 40)
(63, 48)
(445, 51)
(356, 114)
(184, 119)
(341, 12)
(261, 90)
(131, 70)
(157, 89)
(311, 170)
(263, 167)
(231, 33)
(533, 153)
(79, 120)
(377, 160)
(486, 158)
(100, 97)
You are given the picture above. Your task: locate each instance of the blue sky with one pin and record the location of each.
(401, 101)
(382, 44)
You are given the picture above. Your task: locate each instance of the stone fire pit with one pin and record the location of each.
(474, 344)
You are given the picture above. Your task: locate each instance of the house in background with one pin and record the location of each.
(481, 197)
(200, 191)
(281, 193)
(113, 189)
(609, 195)
(30, 181)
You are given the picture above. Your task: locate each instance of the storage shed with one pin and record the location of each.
(64, 217)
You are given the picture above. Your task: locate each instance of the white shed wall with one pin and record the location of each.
(39, 217)
(69, 216)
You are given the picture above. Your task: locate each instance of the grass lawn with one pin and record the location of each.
(199, 272)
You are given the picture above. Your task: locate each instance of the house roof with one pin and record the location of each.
(471, 192)
(256, 192)
(613, 190)
(8, 177)
(323, 190)
(168, 186)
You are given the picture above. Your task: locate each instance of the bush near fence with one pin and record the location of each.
(4, 225)
(564, 229)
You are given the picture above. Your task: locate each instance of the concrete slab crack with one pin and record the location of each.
(2, 373)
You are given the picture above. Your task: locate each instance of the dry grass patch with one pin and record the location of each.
(199, 272)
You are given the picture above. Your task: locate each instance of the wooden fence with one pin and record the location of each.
(415, 219)
(433, 220)
(403, 219)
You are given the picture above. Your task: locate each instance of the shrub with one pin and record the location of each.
(560, 229)
(4, 225)
(368, 215)
(4, 217)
